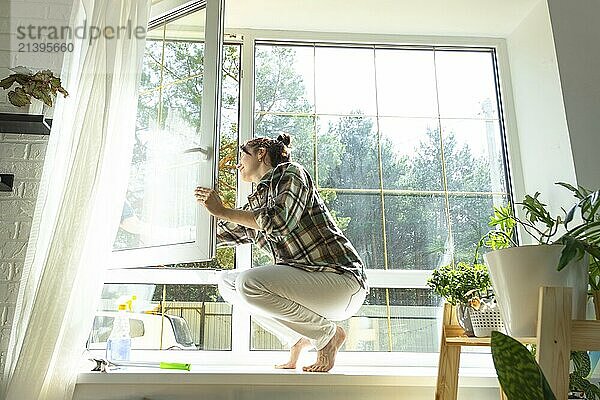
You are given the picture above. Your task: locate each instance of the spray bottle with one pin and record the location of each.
(118, 345)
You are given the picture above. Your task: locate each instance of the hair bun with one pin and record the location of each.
(284, 138)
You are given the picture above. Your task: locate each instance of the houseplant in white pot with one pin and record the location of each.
(517, 271)
(590, 209)
(28, 86)
(458, 284)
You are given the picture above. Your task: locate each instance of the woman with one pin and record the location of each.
(317, 276)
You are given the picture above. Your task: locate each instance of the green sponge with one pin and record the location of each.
(171, 365)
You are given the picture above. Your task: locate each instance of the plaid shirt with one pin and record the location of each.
(295, 225)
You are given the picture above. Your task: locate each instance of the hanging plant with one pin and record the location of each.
(42, 85)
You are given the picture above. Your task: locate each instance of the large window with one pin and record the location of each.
(405, 144)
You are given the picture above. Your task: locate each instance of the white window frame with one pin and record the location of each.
(240, 353)
(204, 246)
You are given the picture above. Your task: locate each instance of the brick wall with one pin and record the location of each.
(23, 156)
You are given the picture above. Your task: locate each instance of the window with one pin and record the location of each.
(405, 144)
(162, 228)
(173, 152)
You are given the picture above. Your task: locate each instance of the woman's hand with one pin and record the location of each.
(209, 199)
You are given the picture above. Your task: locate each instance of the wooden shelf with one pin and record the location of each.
(455, 336)
(557, 336)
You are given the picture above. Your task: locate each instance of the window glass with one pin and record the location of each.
(396, 320)
(350, 74)
(408, 156)
(347, 150)
(400, 320)
(159, 209)
(168, 160)
(412, 242)
(469, 217)
(406, 83)
(284, 79)
(103, 325)
(473, 155)
(166, 317)
(411, 155)
(466, 84)
(405, 146)
(359, 216)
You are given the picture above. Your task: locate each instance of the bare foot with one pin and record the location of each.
(326, 356)
(294, 354)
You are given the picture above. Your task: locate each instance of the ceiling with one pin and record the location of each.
(491, 18)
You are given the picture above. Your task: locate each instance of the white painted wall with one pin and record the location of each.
(576, 35)
(22, 155)
(14, 13)
(543, 137)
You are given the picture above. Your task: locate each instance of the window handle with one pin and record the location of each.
(202, 150)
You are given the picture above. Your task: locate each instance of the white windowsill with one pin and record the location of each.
(262, 375)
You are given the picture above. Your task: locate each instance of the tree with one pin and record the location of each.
(279, 89)
(349, 160)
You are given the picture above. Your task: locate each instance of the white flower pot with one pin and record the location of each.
(36, 107)
(517, 274)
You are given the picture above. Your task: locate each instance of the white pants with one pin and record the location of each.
(292, 303)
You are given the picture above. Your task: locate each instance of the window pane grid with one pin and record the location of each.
(449, 137)
(313, 114)
(389, 321)
(380, 188)
(400, 192)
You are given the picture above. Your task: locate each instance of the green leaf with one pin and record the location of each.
(8, 81)
(594, 205)
(519, 374)
(572, 248)
(47, 99)
(21, 70)
(453, 282)
(581, 363)
(23, 79)
(569, 215)
(18, 97)
(572, 188)
(55, 82)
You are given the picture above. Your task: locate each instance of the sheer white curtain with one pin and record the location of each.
(79, 203)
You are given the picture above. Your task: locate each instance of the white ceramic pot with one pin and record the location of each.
(517, 274)
(36, 107)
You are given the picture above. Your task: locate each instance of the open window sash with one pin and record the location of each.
(177, 141)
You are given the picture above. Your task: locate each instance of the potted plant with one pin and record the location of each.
(590, 210)
(459, 284)
(42, 85)
(522, 378)
(518, 271)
